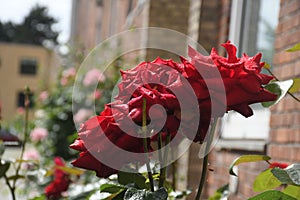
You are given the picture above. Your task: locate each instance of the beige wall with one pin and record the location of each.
(12, 82)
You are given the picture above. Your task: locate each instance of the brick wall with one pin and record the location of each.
(284, 139)
(213, 30)
(174, 16)
(209, 23)
(285, 119)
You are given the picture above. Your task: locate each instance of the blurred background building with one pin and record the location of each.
(22, 65)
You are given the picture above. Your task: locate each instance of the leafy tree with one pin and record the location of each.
(37, 28)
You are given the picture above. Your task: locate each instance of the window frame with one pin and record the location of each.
(22, 65)
(240, 16)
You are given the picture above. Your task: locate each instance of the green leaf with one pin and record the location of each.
(221, 193)
(281, 175)
(265, 181)
(125, 178)
(83, 196)
(296, 47)
(293, 191)
(42, 197)
(179, 194)
(134, 194)
(296, 85)
(14, 177)
(116, 196)
(272, 195)
(2, 148)
(111, 188)
(289, 175)
(4, 166)
(70, 170)
(294, 173)
(277, 87)
(245, 159)
(267, 66)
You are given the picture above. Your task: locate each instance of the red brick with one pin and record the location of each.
(289, 8)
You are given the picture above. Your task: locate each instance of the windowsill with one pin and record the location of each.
(241, 144)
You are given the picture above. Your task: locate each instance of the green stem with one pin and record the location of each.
(205, 159)
(276, 78)
(26, 104)
(145, 143)
(11, 189)
(162, 176)
(174, 170)
(159, 144)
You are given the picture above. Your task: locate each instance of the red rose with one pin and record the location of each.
(93, 140)
(164, 82)
(60, 183)
(277, 164)
(241, 77)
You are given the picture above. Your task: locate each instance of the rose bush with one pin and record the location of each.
(155, 82)
(60, 182)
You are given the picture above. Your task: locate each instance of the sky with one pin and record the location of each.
(16, 10)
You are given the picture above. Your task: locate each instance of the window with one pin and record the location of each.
(28, 66)
(21, 100)
(252, 30)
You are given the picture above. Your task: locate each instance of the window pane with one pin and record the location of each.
(28, 66)
(21, 100)
(267, 24)
(257, 34)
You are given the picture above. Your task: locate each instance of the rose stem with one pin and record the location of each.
(10, 187)
(145, 142)
(159, 144)
(163, 169)
(174, 169)
(205, 159)
(26, 104)
(279, 80)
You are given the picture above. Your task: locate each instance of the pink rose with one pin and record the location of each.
(38, 134)
(31, 155)
(93, 76)
(43, 95)
(71, 72)
(82, 115)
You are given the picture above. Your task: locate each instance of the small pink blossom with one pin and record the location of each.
(31, 154)
(82, 115)
(43, 95)
(97, 94)
(63, 81)
(69, 72)
(20, 110)
(38, 134)
(93, 76)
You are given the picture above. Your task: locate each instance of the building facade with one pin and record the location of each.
(22, 65)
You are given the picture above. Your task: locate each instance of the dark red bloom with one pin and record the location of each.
(278, 164)
(168, 84)
(60, 182)
(95, 136)
(189, 95)
(241, 77)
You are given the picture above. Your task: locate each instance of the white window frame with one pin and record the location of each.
(238, 132)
